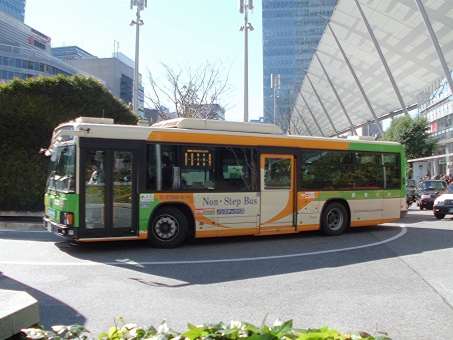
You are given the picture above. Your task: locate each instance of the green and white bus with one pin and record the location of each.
(195, 178)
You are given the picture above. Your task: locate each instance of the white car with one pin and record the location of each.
(443, 205)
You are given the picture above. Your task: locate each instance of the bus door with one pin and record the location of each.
(107, 200)
(277, 184)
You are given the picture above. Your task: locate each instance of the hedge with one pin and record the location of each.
(29, 111)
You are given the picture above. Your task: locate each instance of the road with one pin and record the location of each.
(395, 278)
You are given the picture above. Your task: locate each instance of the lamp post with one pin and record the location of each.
(244, 6)
(141, 4)
(275, 84)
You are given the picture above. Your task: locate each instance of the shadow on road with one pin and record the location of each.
(206, 261)
(209, 261)
(54, 312)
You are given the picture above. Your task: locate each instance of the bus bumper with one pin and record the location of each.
(59, 229)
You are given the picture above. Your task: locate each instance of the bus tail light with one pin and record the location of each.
(67, 218)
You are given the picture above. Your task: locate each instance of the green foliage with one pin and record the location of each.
(29, 111)
(219, 331)
(413, 134)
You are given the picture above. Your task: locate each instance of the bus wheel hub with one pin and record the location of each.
(166, 228)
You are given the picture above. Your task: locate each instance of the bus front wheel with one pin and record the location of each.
(168, 228)
(334, 219)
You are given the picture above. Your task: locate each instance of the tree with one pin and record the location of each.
(29, 111)
(191, 92)
(413, 134)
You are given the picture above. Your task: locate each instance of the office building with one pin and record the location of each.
(290, 28)
(117, 73)
(25, 52)
(13, 8)
(435, 102)
(211, 111)
(70, 53)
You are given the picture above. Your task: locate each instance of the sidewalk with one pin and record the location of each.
(21, 220)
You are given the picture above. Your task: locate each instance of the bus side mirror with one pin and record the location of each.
(53, 154)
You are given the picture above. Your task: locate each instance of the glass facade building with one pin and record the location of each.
(14, 8)
(290, 28)
(25, 52)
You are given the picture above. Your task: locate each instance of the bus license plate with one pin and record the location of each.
(51, 212)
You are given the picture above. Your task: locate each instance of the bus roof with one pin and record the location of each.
(219, 125)
(214, 132)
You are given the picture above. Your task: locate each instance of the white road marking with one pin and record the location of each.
(122, 262)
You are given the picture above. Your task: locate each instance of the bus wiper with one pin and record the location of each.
(56, 178)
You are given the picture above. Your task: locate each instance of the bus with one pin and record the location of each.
(192, 178)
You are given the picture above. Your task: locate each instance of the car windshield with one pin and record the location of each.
(411, 183)
(433, 185)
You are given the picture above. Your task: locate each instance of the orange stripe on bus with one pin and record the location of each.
(308, 227)
(287, 211)
(302, 201)
(364, 223)
(114, 239)
(238, 232)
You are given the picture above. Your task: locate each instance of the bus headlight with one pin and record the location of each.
(67, 218)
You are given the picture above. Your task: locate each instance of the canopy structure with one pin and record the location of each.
(359, 74)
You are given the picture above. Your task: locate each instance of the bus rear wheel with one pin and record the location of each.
(168, 228)
(334, 219)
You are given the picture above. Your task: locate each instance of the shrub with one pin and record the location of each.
(29, 111)
(220, 331)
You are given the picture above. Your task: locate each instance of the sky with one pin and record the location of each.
(175, 32)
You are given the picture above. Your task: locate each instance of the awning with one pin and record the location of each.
(406, 46)
(430, 158)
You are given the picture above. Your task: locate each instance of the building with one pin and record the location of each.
(70, 53)
(435, 102)
(25, 52)
(117, 73)
(290, 30)
(203, 111)
(13, 8)
(212, 111)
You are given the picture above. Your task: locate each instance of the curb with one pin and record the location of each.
(21, 220)
(21, 226)
(21, 214)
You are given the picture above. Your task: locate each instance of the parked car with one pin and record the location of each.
(443, 205)
(427, 192)
(411, 186)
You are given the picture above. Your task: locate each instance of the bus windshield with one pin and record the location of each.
(61, 171)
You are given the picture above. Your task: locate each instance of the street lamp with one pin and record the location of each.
(275, 84)
(244, 6)
(141, 4)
